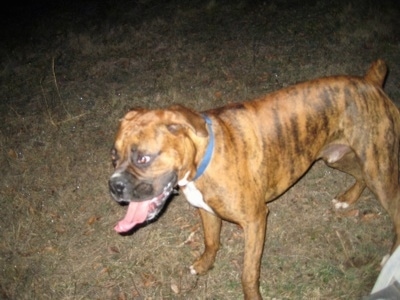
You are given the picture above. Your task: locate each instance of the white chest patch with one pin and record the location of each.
(195, 197)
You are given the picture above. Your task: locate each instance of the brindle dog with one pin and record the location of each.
(231, 161)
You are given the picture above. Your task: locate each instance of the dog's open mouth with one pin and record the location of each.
(138, 212)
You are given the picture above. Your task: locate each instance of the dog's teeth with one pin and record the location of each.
(168, 186)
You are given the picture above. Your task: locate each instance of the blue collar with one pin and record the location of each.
(209, 151)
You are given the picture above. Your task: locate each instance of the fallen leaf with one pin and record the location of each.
(369, 216)
(12, 154)
(218, 94)
(135, 293)
(92, 220)
(60, 229)
(352, 213)
(148, 279)
(49, 249)
(175, 288)
(189, 238)
(113, 249)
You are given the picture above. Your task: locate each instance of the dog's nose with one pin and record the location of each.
(117, 187)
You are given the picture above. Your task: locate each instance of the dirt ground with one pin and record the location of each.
(70, 71)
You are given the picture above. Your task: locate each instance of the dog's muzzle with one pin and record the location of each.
(124, 188)
(146, 199)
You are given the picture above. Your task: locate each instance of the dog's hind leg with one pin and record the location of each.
(381, 175)
(388, 193)
(342, 158)
(394, 211)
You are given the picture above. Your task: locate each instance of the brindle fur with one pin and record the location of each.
(264, 146)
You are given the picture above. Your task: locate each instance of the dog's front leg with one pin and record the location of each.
(212, 230)
(254, 237)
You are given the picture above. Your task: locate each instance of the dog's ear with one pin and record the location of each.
(132, 113)
(183, 118)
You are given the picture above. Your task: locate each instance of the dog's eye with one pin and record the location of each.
(143, 159)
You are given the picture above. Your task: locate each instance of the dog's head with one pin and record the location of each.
(153, 151)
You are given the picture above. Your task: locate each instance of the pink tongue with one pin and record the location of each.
(137, 213)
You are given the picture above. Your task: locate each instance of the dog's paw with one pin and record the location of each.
(339, 204)
(192, 270)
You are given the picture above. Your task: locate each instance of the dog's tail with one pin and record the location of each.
(376, 73)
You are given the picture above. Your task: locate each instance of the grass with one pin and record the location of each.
(68, 76)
